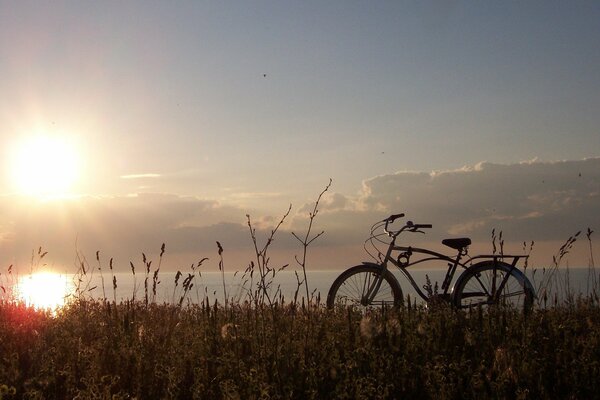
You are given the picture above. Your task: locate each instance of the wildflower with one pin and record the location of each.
(502, 365)
(229, 389)
(229, 331)
(469, 338)
(393, 327)
(367, 327)
(7, 390)
(333, 373)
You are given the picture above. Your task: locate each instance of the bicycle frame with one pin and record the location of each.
(453, 263)
(485, 279)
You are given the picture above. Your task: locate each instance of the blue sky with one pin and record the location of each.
(168, 106)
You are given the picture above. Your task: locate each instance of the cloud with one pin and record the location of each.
(140, 176)
(533, 200)
(119, 226)
(254, 195)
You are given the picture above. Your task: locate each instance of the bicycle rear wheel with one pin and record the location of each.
(355, 286)
(492, 283)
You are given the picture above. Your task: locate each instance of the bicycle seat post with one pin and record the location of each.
(452, 270)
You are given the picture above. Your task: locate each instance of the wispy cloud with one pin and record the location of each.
(140, 176)
(254, 195)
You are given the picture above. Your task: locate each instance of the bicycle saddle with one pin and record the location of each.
(458, 243)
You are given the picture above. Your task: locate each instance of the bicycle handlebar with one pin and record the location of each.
(393, 217)
(421, 226)
(409, 226)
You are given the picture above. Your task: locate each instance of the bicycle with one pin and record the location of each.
(486, 279)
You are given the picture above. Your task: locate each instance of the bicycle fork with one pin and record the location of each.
(370, 289)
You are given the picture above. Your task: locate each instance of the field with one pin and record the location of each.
(263, 347)
(97, 349)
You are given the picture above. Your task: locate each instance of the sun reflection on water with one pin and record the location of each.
(44, 290)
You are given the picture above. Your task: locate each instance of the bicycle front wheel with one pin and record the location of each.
(492, 283)
(357, 287)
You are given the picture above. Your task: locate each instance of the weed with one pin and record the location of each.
(307, 240)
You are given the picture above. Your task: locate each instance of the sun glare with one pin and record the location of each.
(44, 166)
(44, 290)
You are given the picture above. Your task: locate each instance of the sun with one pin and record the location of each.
(44, 290)
(44, 166)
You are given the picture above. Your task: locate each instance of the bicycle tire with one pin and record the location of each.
(349, 288)
(478, 286)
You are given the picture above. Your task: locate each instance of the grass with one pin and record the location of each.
(98, 349)
(264, 348)
(257, 346)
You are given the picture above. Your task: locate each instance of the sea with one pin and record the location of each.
(235, 286)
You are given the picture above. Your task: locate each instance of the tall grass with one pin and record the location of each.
(308, 239)
(140, 349)
(96, 349)
(553, 283)
(100, 349)
(257, 345)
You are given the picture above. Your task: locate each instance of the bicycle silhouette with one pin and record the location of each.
(485, 280)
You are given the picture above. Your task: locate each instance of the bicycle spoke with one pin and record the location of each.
(493, 284)
(358, 288)
(482, 285)
(521, 293)
(474, 294)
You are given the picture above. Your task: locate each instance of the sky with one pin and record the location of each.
(180, 118)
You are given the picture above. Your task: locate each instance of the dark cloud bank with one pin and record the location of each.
(530, 200)
(541, 201)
